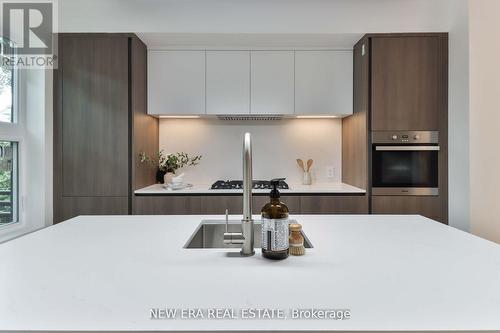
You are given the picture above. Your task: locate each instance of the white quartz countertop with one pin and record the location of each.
(326, 188)
(391, 272)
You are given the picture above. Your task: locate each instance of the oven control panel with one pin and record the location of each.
(408, 137)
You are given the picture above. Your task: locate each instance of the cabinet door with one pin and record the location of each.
(168, 205)
(421, 205)
(316, 204)
(176, 82)
(407, 83)
(228, 82)
(323, 82)
(218, 204)
(95, 116)
(272, 82)
(291, 201)
(75, 206)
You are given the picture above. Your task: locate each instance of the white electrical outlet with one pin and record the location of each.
(330, 172)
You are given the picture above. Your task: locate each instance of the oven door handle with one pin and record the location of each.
(406, 148)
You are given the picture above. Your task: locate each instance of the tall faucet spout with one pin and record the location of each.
(247, 225)
(247, 177)
(246, 237)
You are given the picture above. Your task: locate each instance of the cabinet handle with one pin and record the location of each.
(407, 148)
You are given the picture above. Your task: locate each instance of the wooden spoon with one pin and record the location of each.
(301, 164)
(309, 164)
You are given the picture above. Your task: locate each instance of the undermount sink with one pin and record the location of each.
(210, 235)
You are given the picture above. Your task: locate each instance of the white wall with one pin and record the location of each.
(458, 115)
(484, 25)
(276, 146)
(255, 16)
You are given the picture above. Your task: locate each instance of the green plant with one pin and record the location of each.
(170, 162)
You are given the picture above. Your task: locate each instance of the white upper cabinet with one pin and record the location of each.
(176, 82)
(271, 82)
(228, 82)
(323, 82)
(283, 82)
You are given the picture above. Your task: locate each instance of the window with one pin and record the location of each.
(8, 182)
(6, 89)
(10, 135)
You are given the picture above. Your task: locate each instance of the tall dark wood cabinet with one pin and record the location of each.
(355, 137)
(100, 124)
(407, 87)
(400, 84)
(409, 92)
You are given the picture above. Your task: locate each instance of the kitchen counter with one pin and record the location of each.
(324, 188)
(391, 272)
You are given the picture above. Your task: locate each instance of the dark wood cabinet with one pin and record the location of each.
(320, 204)
(408, 89)
(430, 207)
(94, 116)
(292, 202)
(171, 205)
(217, 204)
(355, 138)
(74, 206)
(99, 105)
(400, 84)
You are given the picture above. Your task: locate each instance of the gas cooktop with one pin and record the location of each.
(238, 184)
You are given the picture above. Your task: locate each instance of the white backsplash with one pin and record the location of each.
(276, 145)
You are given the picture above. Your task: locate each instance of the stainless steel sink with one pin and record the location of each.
(210, 235)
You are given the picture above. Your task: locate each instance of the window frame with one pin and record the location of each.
(15, 132)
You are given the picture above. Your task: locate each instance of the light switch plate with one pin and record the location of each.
(330, 172)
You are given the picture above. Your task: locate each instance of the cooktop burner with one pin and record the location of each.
(238, 184)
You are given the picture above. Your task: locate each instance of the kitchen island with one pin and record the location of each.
(113, 272)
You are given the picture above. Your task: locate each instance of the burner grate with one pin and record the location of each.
(238, 184)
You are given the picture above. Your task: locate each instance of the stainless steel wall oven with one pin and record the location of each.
(405, 163)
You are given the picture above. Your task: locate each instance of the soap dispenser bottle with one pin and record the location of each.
(275, 225)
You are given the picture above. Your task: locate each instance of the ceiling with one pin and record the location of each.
(252, 41)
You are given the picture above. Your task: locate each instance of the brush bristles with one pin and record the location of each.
(297, 250)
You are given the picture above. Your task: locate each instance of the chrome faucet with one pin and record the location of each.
(246, 236)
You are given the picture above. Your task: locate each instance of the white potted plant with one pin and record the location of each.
(168, 164)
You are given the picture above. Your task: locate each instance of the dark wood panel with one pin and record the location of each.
(407, 83)
(95, 116)
(292, 202)
(219, 204)
(333, 204)
(145, 136)
(355, 141)
(426, 206)
(57, 137)
(100, 93)
(74, 206)
(168, 205)
(443, 132)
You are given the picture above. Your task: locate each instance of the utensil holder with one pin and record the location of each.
(306, 179)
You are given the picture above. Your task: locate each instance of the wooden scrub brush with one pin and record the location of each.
(296, 240)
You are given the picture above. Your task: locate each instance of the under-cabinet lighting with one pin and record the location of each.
(315, 117)
(180, 117)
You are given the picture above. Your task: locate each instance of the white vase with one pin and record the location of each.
(306, 179)
(167, 179)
